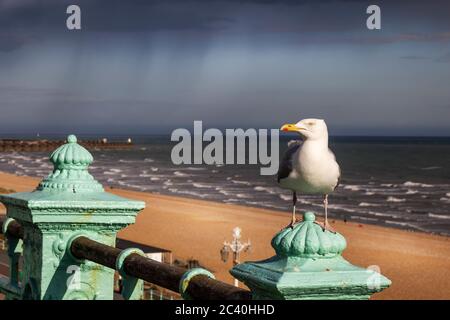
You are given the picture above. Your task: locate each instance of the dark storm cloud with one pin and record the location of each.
(143, 64)
(24, 20)
(10, 42)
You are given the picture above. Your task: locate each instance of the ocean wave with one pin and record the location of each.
(352, 187)
(110, 173)
(266, 189)
(438, 216)
(201, 185)
(363, 218)
(126, 161)
(366, 204)
(244, 195)
(369, 193)
(448, 194)
(231, 200)
(389, 185)
(224, 192)
(145, 175)
(155, 179)
(191, 193)
(431, 168)
(380, 214)
(309, 203)
(404, 224)
(417, 184)
(149, 160)
(394, 199)
(194, 168)
(180, 174)
(337, 207)
(445, 199)
(241, 182)
(285, 197)
(411, 191)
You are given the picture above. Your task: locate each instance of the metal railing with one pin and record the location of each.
(199, 286)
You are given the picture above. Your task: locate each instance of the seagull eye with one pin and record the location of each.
(311, 123)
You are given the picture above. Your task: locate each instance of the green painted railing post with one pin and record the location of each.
(132, 288)
(308, 265)
(14, 251)
(67, 204)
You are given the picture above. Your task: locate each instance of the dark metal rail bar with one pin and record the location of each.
(200, 287)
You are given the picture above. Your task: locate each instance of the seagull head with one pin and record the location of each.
(308, 128)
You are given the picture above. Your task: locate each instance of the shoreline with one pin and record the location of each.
(187, 197)
(416, 262)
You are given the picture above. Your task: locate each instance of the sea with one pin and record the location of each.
(399, 182)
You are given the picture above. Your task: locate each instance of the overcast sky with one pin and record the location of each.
(143, 66)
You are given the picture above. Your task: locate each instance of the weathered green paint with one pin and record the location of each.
(308, 265)
(187, 276)
(14, 253)
(132, 288)
(69, 202)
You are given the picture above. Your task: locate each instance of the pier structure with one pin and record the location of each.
(19, 145)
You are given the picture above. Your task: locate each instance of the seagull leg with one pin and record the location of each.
(294, 202)
(325, 204)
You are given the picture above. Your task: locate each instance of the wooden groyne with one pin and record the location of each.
(48, 145)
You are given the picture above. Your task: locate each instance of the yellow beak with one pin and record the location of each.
(289, 127)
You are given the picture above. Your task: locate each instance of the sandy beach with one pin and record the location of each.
(417, 263)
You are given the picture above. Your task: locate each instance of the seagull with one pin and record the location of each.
(309, 166)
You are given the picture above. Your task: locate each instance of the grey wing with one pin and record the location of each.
(338, 178)
(339, 168)
(286, 162)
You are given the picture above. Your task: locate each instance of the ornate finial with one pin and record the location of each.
(308, 239)
(309, 216)
(71, 155)
(72, 138)
(71, 162)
